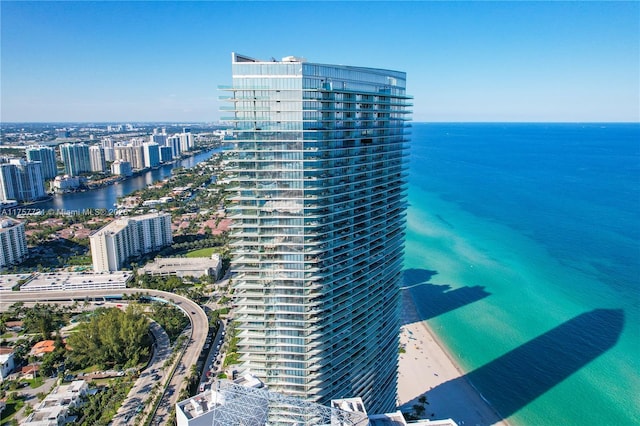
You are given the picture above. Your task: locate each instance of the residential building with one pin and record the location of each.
(54, 408)
(109, 154)
(97, 159)
(21, 180)
(65, 183)
(176, 145)
(121, 168)
(7, 363)
(159, 138)
(43, 347)
(136, 141)
(29, 372)
(166, 154)
(63, 133)
(47, 158)
(13, 242)
(75, 158)
(127, 237)
(107, 142)
(133, 154)
(151, 154)
(318, 207)
(186, 141)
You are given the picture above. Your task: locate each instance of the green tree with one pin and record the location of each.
(43, 320)
(111, 338)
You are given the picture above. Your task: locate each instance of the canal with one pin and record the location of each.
(106, 197)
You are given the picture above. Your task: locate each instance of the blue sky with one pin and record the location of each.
(465, 61)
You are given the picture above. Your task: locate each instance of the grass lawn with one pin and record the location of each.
(36, 383)
(11, 408)
(205, 252)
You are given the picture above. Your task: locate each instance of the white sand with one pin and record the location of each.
(426, 369)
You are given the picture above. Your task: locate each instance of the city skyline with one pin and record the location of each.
(163, 61)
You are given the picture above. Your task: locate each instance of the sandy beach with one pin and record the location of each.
(426, 369)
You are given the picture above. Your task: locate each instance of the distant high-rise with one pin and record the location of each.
(96, 159)
(166, 154)
(13, 242)
(121, 168)
(186, 141)
(151, 154)
(123, 238)
(318, 204)
(176, 145)
(159, 138)
(75, 158)
(107, 142)
(21, 180)
(47, 158)
(133, 154)
(109, 154)
(63, 133)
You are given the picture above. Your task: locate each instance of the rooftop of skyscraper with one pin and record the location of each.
(122, 222)
(8, 222)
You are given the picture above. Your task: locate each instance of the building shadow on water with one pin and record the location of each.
(518, 377)
(432, 300)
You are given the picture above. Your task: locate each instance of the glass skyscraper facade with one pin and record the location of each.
(318, 208)
(75, 158)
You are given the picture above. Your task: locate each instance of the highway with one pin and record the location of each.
(197, 316)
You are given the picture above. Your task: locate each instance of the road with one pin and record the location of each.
(153, 374)
(197, 316)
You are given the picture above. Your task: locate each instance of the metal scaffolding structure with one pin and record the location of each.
(235, 404)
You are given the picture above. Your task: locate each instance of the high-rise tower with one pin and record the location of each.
(97, 159)
(21, 180)
(319, 204)
(129, 236)
(47, 158)
(75, 157)
(13, 242)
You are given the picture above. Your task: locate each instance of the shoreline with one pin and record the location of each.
(428, 369)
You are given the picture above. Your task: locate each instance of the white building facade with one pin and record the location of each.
(13, 242)
(133, 154)
(21, 180)
(75, 158)
(6, 363)
(121, 168)
(318, 208)
(54, 409)
(97, 159)
(123, 238)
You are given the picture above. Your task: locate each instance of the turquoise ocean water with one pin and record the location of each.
(523, 252)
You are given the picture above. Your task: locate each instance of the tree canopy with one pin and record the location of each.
(111, 338)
